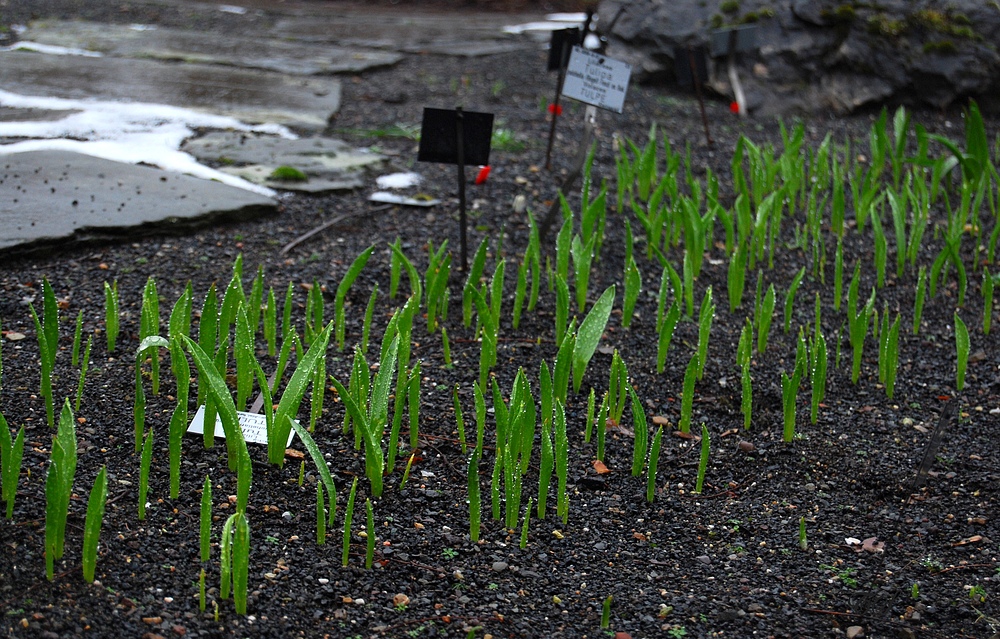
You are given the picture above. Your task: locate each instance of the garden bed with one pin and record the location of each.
(765, 548)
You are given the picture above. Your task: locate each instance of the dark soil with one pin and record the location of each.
(726, 562)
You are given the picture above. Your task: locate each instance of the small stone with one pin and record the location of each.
(855, 631)
(359, 602)
(323, 581)
(153, 620)
(622, 635)
(499, 566)
(746, 447)
(400, 599)
(287, 516)
(705, 559)
(660, 420)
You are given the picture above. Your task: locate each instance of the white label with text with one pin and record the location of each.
(254, 426)
(596, 79)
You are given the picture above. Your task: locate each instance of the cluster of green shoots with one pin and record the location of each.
(676, 214)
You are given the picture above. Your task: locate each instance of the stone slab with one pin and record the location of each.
(161, 43)
(330, 164)
(443, 34)
(249, 95)
(49, 197)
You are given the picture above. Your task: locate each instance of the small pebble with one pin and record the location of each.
(499, 566)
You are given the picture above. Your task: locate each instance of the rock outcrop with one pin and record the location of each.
(820, 55)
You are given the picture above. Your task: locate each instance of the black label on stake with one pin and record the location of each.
(741, 39)
(439, 137)
(688, 61)
(567, 38)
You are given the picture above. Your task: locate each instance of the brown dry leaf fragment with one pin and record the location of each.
(731, 431)
(600, 467)
(624, 430)
(872, 544)
(640, 536)
(14, 336)
(683, 435)
(294, 454)
(969, 540)
(660, 420)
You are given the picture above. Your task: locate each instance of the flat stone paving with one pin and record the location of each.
(161, 43)
(280, 76)
(329, 164)
(249, 95)
(55, 196)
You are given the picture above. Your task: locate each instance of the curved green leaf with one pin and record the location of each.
(588, 336)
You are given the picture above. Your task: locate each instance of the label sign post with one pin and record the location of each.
(600, 82)
(727, 43)
(562, 42)
(691, 67)
(456, 137)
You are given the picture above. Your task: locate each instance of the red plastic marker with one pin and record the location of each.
(555, 108)
(734, 107)
(484, 172)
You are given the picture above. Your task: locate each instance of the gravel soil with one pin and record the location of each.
(726, 562)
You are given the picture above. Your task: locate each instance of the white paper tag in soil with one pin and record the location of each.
(596, 79)
(254, 426)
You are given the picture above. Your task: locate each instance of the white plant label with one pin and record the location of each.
(596, 79)
(254, 426)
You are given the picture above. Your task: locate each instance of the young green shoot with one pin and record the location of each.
(654, 459)
(92, 525)
(369, 534)
(475, 505)
(11, 454)
(348, 516)
(703, 459)
(705, 315)
(205, 531)
(111, 314)
(144, 462)
(588, 336)
(524, 526)
(687, 396)
(84, 365)
(58, 488)
(962, 347)
(342, 289)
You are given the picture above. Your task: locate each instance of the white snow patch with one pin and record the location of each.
(132, 133)
(398, 180)
(51, 49)
(552, 22)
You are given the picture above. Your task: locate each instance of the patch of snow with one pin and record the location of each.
(51, 49)
(125, 132)
(552, 22)
(398, 180)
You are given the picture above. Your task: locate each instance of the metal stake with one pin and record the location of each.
(460, 152)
